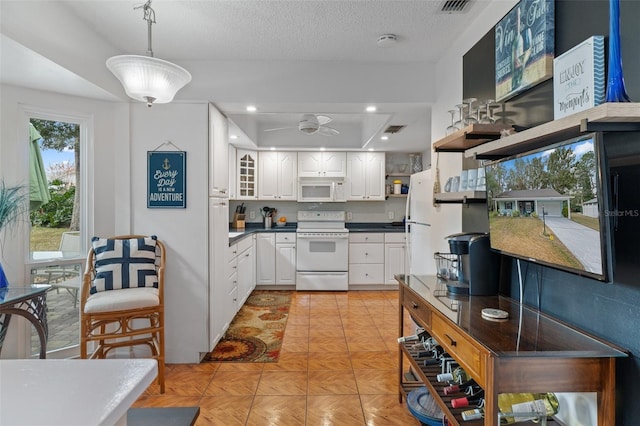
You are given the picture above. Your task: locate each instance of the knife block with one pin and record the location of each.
(238, 221)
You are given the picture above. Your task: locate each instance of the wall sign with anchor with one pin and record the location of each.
(166, 178)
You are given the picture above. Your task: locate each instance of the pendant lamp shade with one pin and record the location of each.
(148, 79)
(145, 78)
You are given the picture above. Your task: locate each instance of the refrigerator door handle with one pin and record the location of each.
(415, 222)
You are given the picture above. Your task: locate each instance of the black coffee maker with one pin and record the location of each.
(477, 265)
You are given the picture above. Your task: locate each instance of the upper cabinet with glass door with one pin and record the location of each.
(322, 164)
(247, 169)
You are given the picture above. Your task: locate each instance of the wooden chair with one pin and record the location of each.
(123, 317)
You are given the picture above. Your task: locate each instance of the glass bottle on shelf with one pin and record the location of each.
(468, 401)
(527, 403)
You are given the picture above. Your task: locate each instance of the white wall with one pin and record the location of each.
(184, 231)
(447, 218)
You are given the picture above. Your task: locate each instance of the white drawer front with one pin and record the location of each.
(366, 237)
(366, 253)
(245, 243)
(232, 267)
(366, 274)
(395, 237)
(288, 237)
(232, 252)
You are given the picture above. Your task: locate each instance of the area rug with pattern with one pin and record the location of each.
(256, 332)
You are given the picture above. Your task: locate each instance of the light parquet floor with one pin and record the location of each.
(338, 366)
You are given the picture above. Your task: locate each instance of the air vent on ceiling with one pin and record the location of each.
(394, 128)
(454, 6)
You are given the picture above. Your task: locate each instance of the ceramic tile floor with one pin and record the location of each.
(338, 366)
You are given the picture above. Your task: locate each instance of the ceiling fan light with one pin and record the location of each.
(148, 79)
(308, 127)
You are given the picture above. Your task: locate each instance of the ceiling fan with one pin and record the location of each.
(312, 124)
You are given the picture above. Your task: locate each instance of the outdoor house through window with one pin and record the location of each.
(56, 249)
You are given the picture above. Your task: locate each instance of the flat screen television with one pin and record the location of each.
(548, 206)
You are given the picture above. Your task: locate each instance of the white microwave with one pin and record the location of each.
(320, 191)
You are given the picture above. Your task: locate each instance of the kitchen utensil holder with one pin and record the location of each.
(238, 221)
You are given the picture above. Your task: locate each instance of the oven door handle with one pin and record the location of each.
(322, 237)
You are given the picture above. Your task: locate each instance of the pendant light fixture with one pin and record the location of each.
(145, 78)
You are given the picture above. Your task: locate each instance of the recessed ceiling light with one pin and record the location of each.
(371, 108)
(233, 137)
(370, 149)
(251, 108)
(384, 138)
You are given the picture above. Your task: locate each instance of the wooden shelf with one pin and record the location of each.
(470, 136)
(427, 376)
(616, 116)
(397, 196)
(463, 197)
(389, 175)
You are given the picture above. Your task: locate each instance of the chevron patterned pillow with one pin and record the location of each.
(123, 264)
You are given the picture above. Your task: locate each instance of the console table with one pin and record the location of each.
(528, 352)
(29, 302)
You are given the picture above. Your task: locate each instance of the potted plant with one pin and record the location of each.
(12, 205)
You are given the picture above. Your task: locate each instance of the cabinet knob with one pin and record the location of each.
(414, 305)
(366, 254)
(246, 254)
(223, 191)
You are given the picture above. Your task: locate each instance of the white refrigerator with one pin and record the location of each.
(418, 224)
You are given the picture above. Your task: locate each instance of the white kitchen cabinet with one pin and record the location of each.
(247, 174)
(286, 258)
(218, 268)
(366, 258)
(246, 268)
(266, 258)
(322, 164)
(228, 295)
(233, 174)
(218, 153)
(278, 177)
(365, 176)
(394, 256)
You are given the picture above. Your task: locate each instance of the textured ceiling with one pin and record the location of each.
(286, 57)
(334, 30)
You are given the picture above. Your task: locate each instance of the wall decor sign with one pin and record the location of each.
(524, 47)
(578, 78)
(166, 179)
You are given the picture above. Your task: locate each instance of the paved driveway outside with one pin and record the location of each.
(583, 242)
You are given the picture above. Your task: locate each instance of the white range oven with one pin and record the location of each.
(322, 251)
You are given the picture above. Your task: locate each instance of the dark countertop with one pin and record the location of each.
(257, 227)
(374, 227)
